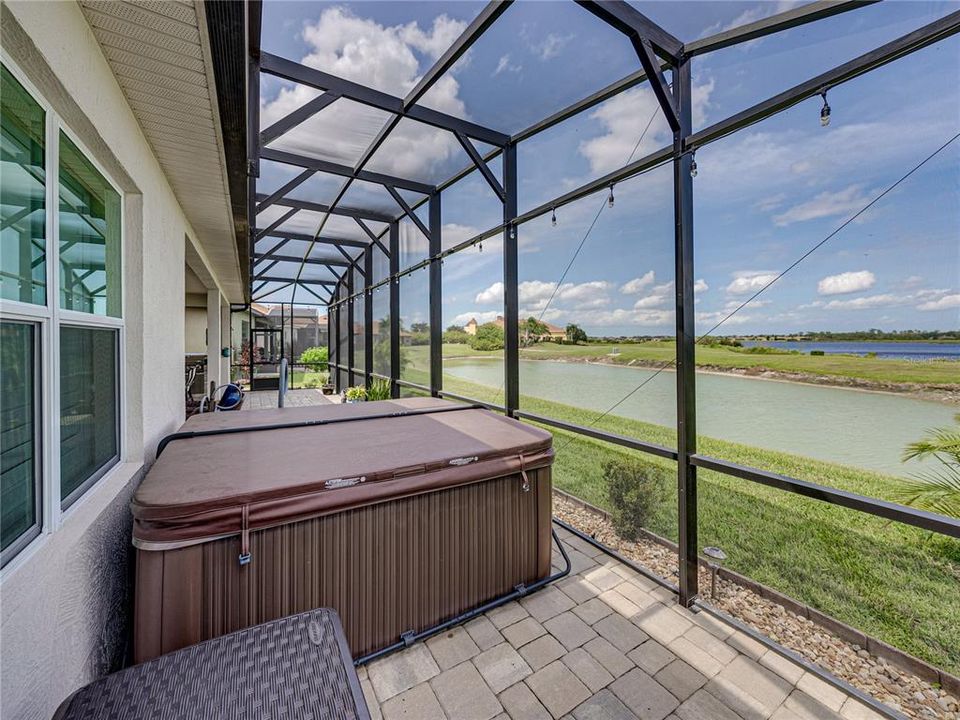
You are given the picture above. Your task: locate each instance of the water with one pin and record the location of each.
(863, 429)
(886, 350)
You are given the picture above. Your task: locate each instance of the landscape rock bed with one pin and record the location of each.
(911, 695)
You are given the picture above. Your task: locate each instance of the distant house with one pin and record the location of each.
(553, 332)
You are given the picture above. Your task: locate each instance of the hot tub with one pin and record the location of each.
(399, 523)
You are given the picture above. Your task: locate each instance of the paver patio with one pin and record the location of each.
(602, 644)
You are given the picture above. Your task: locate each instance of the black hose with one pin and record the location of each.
(521, 591)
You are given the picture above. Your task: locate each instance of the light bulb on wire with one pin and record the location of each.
(824, 111)
(610, 198)
(693, 165)
(553, 217)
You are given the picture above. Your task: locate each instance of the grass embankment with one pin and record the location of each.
(894, 582)
(884, 371)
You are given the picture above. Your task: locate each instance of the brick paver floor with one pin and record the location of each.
(602, 644)
(264, 399)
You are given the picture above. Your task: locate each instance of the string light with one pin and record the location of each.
(825, 110)
(553, 217)
(693, 165)
(610, 199)
(480, 246)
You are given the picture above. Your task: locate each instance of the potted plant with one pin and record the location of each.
(355, 394)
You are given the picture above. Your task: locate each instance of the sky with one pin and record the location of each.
(763, 197)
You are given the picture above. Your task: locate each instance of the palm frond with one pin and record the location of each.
(939, 441)
(935, 491)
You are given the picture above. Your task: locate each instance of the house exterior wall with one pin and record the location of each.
(195, 340)
(65, 599)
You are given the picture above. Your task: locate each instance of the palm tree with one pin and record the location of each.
(936, 490)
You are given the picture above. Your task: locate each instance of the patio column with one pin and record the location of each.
(350, 326)
(511, 302)
(686, 340)
(368, 314)
(214, 323)
(394, 309)
(436, 299)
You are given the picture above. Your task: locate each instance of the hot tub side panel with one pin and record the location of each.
(388, 568)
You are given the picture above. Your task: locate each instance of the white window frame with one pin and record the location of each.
(49, 318)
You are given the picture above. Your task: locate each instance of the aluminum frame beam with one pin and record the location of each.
(904, 45)
(631, 22)
(309, 261)
(310, 238)
(321, 208)
(309, 163)
(794, 17)
(298, 116)
(295, 72)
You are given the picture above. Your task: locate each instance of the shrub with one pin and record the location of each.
(489, 337)
(635, 489)
(316, 357)
(379, 389)
(420, 338)
(357, 392)
(457, 337)
(816, 352)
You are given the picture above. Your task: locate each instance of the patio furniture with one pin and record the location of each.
(295, 667)
(230, 398)
(400, 514)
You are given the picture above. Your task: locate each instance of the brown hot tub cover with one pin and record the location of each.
(211, 486)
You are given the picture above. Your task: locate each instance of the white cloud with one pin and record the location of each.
(632, 287)
(659, 296)
(750, 281)
(493, 294)
(826, 204)
(867, 302)
(847, 282)
(700, 286)
(947, 302)
(624, 118)
(504, 65)
(381, 57)
(550, 46)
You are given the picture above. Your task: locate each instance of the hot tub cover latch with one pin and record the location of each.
(245, 555)
(523, 474)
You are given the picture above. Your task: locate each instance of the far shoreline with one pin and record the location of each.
(912, 390)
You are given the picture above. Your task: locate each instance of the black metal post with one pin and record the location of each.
(511, 301)
(436, 299)
(351, 381)
(686, 340)
(368, 315)
(394, 309)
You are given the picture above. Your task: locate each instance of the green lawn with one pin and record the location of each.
(894, 582)
(850, 366)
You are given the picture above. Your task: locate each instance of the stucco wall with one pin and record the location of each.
(65, 600)
(195, 340)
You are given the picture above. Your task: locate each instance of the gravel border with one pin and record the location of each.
(901, 690)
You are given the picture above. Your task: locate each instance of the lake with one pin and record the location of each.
(865, 429)
(888, 350)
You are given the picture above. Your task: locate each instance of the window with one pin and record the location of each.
(89, 236)
(62, 221)
(88, 407)
(19, 460)
(22, 194)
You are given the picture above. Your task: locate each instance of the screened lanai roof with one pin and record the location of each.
(345, 153)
